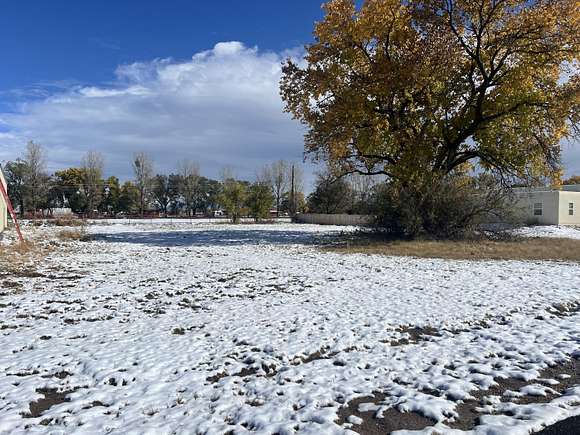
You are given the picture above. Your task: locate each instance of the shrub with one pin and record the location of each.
(233, 198)
(79, 233)
(444, 208)
(67, 221)
(331, 195)
(260, 200)
(71, 235)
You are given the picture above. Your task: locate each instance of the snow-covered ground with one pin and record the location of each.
(215, 329)
(564, 232)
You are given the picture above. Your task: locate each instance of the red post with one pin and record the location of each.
(11, 211)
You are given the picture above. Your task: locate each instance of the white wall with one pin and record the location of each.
(567, 198)
(334, 219)
(555, 206)
(525, 201)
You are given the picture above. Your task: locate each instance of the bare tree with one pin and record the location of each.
(143, 169)
(227, 173)
(296, 187)
(362, 189)
(279, 179)
(162, 192)
(189, 188)
(264, 175)
(92, 165)
(36, 177)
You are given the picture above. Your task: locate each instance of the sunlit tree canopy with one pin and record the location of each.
(404, 88)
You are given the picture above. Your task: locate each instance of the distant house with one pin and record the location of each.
(3, 205)
(547, 206)
(61, 211)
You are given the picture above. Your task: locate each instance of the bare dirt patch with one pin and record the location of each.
(246, 371)
(570, 426)
(512, 249)
(567, 374)
(391, 421)
(415, 334)
(52, 397)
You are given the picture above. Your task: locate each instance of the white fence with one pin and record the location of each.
(335, 219)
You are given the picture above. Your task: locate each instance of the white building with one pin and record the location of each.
(61, 212)
(546, 206)
(3, 205)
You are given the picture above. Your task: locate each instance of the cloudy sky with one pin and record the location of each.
(176, 79)
(219, 108)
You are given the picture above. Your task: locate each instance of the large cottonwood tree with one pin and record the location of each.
(406, 88)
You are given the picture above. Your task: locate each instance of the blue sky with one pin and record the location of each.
(176, 79)
(60, 42)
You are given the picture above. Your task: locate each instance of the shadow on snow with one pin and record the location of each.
(206, 238)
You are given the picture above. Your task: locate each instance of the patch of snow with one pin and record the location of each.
(562, 232)
(353, 419)
(537, 390)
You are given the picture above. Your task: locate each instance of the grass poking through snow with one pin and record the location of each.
(514, 249)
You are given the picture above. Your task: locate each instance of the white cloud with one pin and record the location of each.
(221, 108)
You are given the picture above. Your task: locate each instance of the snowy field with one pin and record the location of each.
(215, 329)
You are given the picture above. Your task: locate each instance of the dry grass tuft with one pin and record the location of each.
(22, 259)
(28, 260)
(19, 248)
(67, 221)
(77, 230)
(532, 249)
(79, 234)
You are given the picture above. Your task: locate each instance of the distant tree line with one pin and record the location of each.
(276, 190)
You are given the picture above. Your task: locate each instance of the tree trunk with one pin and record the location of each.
(141, 201)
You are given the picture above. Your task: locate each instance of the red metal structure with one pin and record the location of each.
(11, 210)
